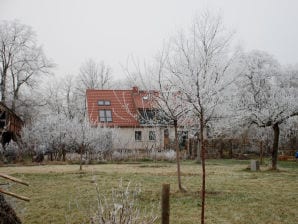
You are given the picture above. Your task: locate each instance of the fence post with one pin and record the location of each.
(165, 204)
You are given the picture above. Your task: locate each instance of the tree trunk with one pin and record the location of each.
(3, 84)
(261, 153)
(63, 155)
(178, 157)
(15, 91)
(81, 158)
(197, 149)
(14, 100)
(275, 146)
(231, 149)
(203, 191)
(221, 149)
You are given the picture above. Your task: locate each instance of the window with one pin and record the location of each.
(104, 103)
(105, 116)
(138, 135)
(148, 114)
(152, 136)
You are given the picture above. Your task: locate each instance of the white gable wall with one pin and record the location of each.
(125, 138)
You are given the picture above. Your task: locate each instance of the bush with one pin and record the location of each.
(121, 208)
(11, 151)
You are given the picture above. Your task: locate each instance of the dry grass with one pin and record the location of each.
(62, 194)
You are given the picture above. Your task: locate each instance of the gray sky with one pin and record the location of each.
(72, 31)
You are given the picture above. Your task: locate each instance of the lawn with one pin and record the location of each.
(62, 194)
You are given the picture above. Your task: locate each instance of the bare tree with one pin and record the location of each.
(199, 62)
(140, 73)
(167, 99)
(21, 59)
(54, 97)
(62, 97)
(171, 105)
(73, 105)
(94, 75)
(267, 94)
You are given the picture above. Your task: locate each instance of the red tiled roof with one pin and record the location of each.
(144, 99)
(124, 105)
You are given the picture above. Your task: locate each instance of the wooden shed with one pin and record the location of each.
(10, 124)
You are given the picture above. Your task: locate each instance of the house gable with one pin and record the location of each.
(119, 103)
(120, 108)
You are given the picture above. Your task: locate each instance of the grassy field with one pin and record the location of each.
(62, 194)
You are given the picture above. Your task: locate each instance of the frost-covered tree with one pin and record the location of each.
(48, 134)
(199, 62)
(12, 152)
(54, 97)
(58, 134)
(170, 103)
(266, 97)
(22, 61)
(169, 107)
(87, 137)
(93, 75)
(289, 136)
(61, 97)
(139, 73)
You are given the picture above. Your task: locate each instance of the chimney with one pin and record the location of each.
(135, 89)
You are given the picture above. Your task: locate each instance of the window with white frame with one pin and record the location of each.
(104, 103)
(105, 116)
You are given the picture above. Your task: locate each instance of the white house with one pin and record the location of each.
(134, 114)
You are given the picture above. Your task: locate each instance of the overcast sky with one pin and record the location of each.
(72, 31)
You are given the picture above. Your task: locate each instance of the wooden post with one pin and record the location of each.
(14, 195)
(165, 204)
(231, 149)
(13, 179)
(81, 158)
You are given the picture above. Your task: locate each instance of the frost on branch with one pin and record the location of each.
(122, 207)
(266, 94)
(57, 134)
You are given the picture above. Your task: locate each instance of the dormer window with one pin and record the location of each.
(104, 103)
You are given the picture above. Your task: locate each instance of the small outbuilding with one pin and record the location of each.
(10, 124)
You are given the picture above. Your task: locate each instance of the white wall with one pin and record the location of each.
(125, 138)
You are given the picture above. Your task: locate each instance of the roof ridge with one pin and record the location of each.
(108, 90)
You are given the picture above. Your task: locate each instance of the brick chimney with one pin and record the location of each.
(135, 89)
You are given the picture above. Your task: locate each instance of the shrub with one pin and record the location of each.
(121, 208)
(11, 151)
